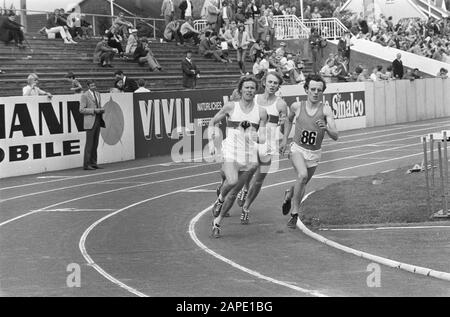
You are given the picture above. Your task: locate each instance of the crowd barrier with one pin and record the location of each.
(39, 135)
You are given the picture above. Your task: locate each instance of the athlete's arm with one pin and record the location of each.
(262, 125)
(330, 125)
(226, 109)
(283, 112)
(288, 125)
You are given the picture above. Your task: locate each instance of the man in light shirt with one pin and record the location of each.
(141, 84)
(32, 89)
(167, 11)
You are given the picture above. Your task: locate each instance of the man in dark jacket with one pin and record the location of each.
(397, 67)
(11, 30)
(129, 85)
(190, 71)
(186, 7)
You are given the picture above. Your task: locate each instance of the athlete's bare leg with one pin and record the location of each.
(255, 187)
(304, 175)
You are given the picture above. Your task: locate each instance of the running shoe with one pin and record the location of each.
(286, 206)
(292, 223)
(245, 217)
(242, 196)
(217, 208)
(215, 231)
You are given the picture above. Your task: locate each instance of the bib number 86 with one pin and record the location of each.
(308, 137)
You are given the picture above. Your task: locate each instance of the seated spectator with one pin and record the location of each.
(172, 32)
(257, 49)
(443, 73)
(416, 74)
(363, 75)
(341, 72)
(299, 76)
(76, 86)
(104, 54)
(274, 62)
(53, 27)
(328, 71)
(32, 88)
(141, 84)
(74, 24)
(11, 30)
(281, 51)
(118, 86)
(208, 49)
(316, 14)
(115, 41)
(409, 75)
(377, 74)
(86, 27)
(132, 42)
(258, 69)
(143, 54)
(389, 75)
(230, 33)
(288, 68)
(121, 26)
(187, 31)
(129, 84)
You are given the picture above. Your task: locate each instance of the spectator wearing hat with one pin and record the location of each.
(11, 30)
(172, 32)
(190, 71)
(92, 110)
(32, 88)
(143, 54)
(76, 87)
(132, 42)
(141, 84)
(104, 54)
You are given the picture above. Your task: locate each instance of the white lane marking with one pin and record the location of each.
(50, 176)
(385, 228)
(193, 236)
(169, 163)
(200, 191)
(73, 210)
(336, 176)
(90, 261)
(101, 193)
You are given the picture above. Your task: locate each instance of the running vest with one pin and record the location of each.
(234, 130)
(272, 112)
(307, 133)
(273, 133)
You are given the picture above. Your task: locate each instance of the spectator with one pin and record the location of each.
(168, 11)
(129, 84)
(53, 27)
(241, 41)
(263, 27)
(397, 67)
(416, 74)
(341, 71)
(212, 14)
(32, 88)
(132, 42)
(316, 14)
(74, 24)
(121, 26)
(288, 68)
(141, 84)
(209, 49)
(328, 71)
(389, 75)
(363, 75)
(258, 69)
(225, 15)
(239, 17)
(115, 41)
(143, 54)
(281, 51)
(307, 13)
(103, 54)
(187, 31)
(443, 73)
(250, 12)
(172, 32)
(257, 49)
(230, 33)
(409, 75)
(314, 42)
(190, 71)
(92, 110)
(377, 74)
(299, 75)
(11, 30)
(186, 8)
(76, 86)
(118, 86)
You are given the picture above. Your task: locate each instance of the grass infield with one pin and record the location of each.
(386, 198)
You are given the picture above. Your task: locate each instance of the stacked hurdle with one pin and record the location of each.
(433, 188)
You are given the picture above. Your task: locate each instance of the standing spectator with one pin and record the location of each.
(307, 13)
(241, 41)
(103, 54)
(172, 32)
(168, 11)
(143, 54)
(225, 15)
(141, 84)
(212, 14)
(76, 86)
(397, 67)
(187, 31)
(91, 108)
(190, 71)
(314, 42)
(129, 84)
(186, 8)
(263, 26)
(276, 9)
(132, 42)
(250, 13)
(32, 88)
(11, 30)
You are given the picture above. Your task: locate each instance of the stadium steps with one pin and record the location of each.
(51, 59)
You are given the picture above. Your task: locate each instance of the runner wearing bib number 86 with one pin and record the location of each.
(313, 120)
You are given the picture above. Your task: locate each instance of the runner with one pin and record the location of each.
(313, 120)
(245, 125)
(276, 107)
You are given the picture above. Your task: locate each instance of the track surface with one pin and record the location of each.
(132, 228)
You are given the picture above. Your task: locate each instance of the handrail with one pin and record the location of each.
(289, 27)
(329, 28)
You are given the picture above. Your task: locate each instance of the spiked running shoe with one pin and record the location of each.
(217, 208)
(245, 217)
(292, 223)
(286, 206)
(215, 231)
(241, 197)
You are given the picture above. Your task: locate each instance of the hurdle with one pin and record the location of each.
(436, 189)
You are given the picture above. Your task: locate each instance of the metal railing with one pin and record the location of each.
(291, 27)
(99, 22)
